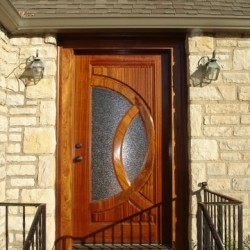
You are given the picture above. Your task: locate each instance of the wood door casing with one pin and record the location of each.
(172, 48)
(138, 79)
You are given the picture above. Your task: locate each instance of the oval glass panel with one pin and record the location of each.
(134, 148)
(108, 108)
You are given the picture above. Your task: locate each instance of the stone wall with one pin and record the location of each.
(219, 126)
(4, 41)
(220, 120)
(27, 126)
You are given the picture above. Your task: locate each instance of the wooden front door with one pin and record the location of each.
(117, 172)
(122, 114)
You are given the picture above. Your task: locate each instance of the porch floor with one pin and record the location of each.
(121, 246)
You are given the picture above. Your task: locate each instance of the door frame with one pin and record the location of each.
(123, 43)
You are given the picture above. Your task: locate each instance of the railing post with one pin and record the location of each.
(240, 227)
(44, 227)
(199, 228)
(220, 221)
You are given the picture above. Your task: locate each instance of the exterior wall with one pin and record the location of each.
(220, 121)
(4, 41)
(27, 127)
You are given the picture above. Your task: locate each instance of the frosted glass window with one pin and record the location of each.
(134, 148)
(108, 108)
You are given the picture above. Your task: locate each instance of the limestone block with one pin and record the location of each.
(231, 156)
(202, 149)
(235, 144)
(244, 43)
(3, 97)
(12, 57)
(2, 156)
(201, 44)
(22, 182)
(235, 77)
(46, 88)
(23, 111)
(47, 113)
(14, 170)
(226, 42)
(39, 141)
(23, 121)
(50, 69)
(50, 39)
(244, 93)
(2, 190)
(19, 41)
(205, 93)
(3, 123)
(13, 148)
(228, 92)
(219, 184)
(46, 51)
(15, 129)
(36, 41)
(15, 99)
(3, 109)
(241, 197)
(224, 119)
(226, 108)
(15, 137)
(2, 82)
(217, 168)
(238, 169)
(12, 84)
(50, 238)
(242, 131)
(241, 184)
(195, 119)
(198, 175)
(12, 194)
(245, 119)
(40, 196)
(246, 156)
(193, 63)
(3, 137)
(2, 173)
(217, 131)
(32, 102)
(21, 158)
(241, 59)
(46, 174)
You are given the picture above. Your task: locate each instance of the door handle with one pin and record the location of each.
(78, 159)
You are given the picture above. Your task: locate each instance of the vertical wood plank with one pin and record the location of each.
(64, 151)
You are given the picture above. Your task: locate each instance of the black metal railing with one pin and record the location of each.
(219, 221)
(17, 218)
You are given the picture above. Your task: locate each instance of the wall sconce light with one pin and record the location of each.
(212, 69)
(37, 68)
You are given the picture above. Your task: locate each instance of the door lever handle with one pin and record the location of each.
(78, 159)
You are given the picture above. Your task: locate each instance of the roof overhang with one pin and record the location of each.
(15, 24)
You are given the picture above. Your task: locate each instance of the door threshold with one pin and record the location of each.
(121, 246)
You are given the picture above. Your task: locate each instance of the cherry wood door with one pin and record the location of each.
(128, 207)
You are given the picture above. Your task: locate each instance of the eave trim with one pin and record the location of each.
(15, 24)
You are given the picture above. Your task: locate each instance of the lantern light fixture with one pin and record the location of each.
(212, 69)
(37, 68)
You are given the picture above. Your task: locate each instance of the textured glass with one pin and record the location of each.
(108, 108)
(134, 148)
